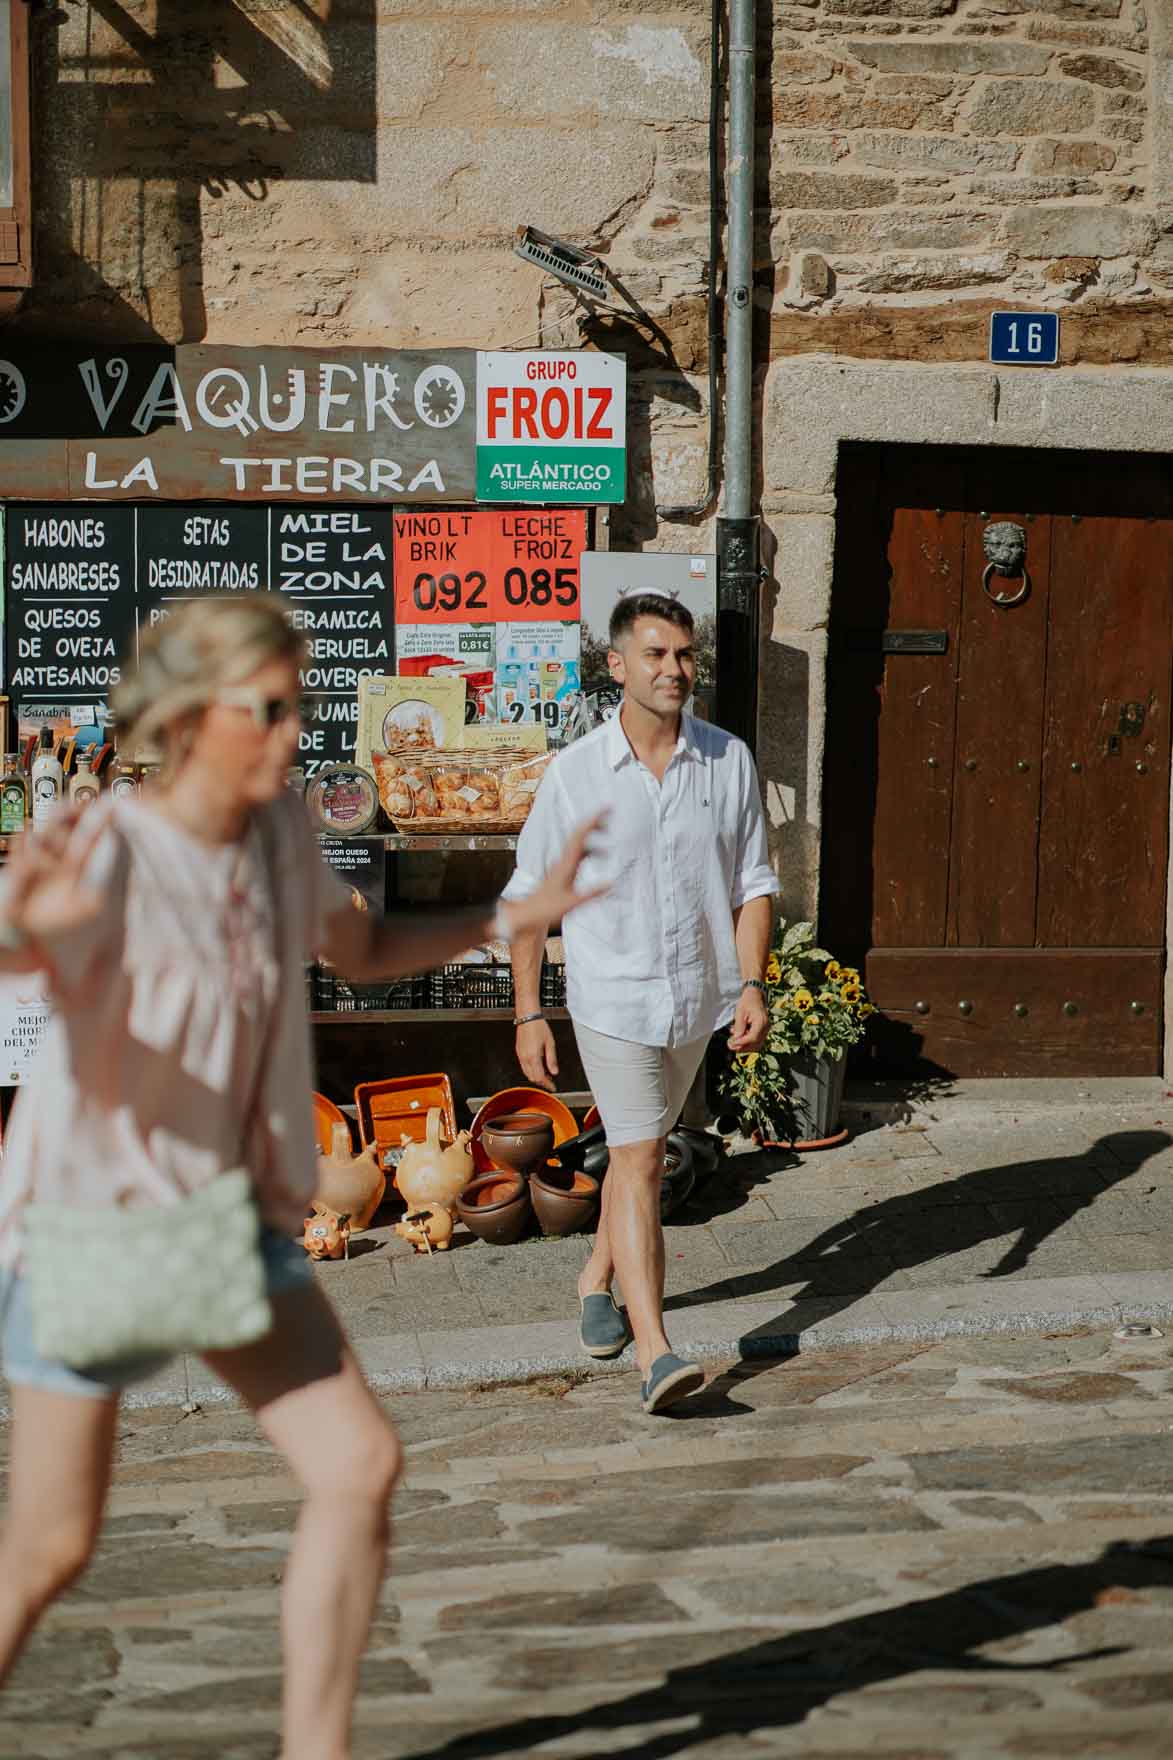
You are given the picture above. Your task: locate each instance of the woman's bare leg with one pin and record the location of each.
(58, 1475)
(311, 1401)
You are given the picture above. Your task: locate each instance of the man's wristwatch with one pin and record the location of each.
(753, 984)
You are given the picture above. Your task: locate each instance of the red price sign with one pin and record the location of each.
(489, 567)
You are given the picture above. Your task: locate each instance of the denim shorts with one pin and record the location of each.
(286, 1267)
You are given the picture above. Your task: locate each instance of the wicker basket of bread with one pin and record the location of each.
(464, 790)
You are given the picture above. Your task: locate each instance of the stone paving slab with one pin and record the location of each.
(1018, 1206)
(959, 1550)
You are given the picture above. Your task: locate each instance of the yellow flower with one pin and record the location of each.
(803, 1000)
(773, 972)
(849, 974)
(749, 1059)
(813, 1020)
(864, 1009)
(850, 992)
(833, 968)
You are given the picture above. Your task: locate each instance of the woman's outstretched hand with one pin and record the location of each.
(43, 895)
(559, 893)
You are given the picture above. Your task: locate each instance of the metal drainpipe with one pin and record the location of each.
(738, 535)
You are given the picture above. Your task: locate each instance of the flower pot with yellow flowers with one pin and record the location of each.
(791, 1091)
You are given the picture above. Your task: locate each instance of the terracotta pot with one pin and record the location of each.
(519, 1141)
(566, 1200)
(496, 1208)
(350, 1185)
(428, 1173)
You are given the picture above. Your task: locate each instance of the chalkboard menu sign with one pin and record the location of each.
(82, 578)
(332, 566)
(70, 604)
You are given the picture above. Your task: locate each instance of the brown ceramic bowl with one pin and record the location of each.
(496, 1208)
(566, 1200)
(518, 1140)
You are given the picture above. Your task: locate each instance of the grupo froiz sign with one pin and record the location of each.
(237, 424)
(551, 427)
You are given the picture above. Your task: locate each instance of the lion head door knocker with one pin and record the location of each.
(1005, 546)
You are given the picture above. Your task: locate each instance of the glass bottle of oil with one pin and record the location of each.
(14, 796)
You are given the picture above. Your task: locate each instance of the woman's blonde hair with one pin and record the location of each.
(194, 653)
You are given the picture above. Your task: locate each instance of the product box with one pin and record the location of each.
(504, 739)
(421, 646)
(400, 714)
(524, 643)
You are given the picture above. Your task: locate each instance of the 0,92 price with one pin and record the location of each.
(451, 592)
(541, 587)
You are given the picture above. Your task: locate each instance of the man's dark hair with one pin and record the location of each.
(647, 605)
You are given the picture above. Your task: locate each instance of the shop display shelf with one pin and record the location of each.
(373, 1017)
(405, 841)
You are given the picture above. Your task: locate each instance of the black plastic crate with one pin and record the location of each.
(553, 991)
(338, 995)
(457, 986)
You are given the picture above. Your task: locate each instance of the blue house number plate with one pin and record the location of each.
(1024, 339)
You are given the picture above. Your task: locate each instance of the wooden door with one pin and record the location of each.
(996, 806)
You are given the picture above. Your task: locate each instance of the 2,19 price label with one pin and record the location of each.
(487, 567)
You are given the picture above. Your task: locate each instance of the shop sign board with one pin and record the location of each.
(82, 580)
(551, 427)
(488, 567)
(198, 422)
(25, 1012)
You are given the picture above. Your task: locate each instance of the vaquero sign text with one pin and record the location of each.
(551, 427)
(225, 424)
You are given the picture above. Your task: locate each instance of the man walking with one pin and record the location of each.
(676, 948)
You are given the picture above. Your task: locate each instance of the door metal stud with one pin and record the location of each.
(1077, 766)
(1142, 769)
(971, 763)
(1136, 1007)
(932, 763)
(922, 1008)
(1021, 1009)
(965, 1008)
(1022, 764)
(1070, 1008)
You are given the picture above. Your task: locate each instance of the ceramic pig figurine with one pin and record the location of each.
(430, 1174)
(429, 1229)
(352, 1183)
(327, 1235)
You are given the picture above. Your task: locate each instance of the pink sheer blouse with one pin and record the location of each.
(166, 1004)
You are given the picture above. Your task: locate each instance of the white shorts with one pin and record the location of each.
(638, 1089)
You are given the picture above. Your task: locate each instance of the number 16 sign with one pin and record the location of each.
(1024, 339)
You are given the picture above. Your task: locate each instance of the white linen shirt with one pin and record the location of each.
(654, 960)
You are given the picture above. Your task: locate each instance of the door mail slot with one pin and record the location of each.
(898, 641)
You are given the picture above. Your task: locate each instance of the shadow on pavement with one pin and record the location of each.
(855, 1256)
(778, 1683)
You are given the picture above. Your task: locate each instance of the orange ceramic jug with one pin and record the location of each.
(429, 1173)
(351, 1184)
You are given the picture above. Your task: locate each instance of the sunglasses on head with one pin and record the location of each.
(267, 712)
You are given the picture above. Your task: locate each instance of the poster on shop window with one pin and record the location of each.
(493, 596)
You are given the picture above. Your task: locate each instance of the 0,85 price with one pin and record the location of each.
(554, 591)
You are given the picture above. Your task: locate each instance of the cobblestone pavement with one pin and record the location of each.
(912, 1550)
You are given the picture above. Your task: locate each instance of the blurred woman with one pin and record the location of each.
(171, 932)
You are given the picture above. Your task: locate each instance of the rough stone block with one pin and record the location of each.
(1076, 158)
(918, 274)
(925, 55)
(890, 8)
(836, 110)
(1078, 232)
(934, 152)
(802, 569)
(1100, 70)
(644, 71)
(1072, 9)
(1124, 128)
(1029, 106)
(802, 69)
(810, 149)
(1012, 190)
(897, 230)
(814, 189)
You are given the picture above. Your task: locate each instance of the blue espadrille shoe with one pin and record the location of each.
(671, 1378)
(603, 1330)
